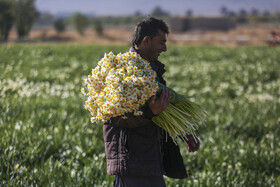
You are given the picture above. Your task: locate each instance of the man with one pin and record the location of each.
(136, 150)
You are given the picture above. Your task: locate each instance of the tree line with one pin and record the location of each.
(248, 16)
(21, 13)
(241, 16)
(81, 21)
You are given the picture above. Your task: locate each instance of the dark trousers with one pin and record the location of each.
(132, 181)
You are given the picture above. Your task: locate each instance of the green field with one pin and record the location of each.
(46, 138)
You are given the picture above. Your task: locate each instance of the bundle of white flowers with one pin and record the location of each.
(118, 85)
(122, 83)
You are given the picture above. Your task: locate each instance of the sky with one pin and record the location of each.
(174, 7)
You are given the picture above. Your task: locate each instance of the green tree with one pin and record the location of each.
(138, 13)
(266, 16)
(159, 12)
(189, 13)
(231, 14)
(243, 13)
(277, 16)
(255, 12)
(224, 11)
(98, 27)
(59, 25)
(6, 19)
(242, 16)
(25, 14)
(266, 13)
(80, 22)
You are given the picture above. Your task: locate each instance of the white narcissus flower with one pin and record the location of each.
(119, 84)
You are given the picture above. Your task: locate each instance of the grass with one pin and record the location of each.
(46, 137)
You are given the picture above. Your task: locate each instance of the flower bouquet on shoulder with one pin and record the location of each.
(122, 83)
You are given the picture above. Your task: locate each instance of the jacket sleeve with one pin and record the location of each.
(133, 121)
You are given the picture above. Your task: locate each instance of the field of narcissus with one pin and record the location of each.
(47, 139)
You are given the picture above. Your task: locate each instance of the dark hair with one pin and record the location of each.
(148, 27)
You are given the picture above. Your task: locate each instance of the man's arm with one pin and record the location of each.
(154, 108)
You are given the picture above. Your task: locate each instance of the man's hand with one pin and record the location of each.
(193, 142)
(160, 105)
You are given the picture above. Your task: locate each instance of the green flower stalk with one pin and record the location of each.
(181, 116)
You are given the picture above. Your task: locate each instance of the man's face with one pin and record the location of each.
(156, 45)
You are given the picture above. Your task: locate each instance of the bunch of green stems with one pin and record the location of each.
(181, 117)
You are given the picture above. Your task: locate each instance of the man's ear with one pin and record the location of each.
(146, 40)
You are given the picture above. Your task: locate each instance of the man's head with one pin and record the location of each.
(150, 38)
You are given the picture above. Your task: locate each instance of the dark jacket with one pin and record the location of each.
(136, 146)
